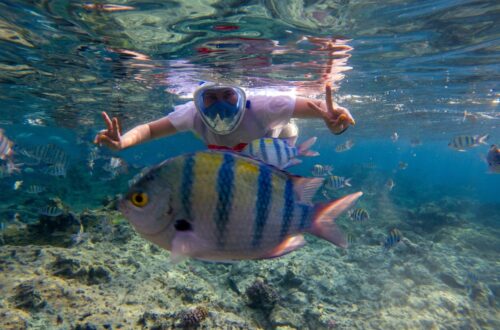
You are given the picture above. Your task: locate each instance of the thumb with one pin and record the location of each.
(108, 142)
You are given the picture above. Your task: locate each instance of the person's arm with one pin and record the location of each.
(336, 118)
(112, 138)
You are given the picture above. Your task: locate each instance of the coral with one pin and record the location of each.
(261, 295)
(28, 298)
(193, 317)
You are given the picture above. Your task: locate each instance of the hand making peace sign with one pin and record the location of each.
(337, 118)
(111, 137)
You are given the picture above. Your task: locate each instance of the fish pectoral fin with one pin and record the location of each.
(186, 244)
(290, 244)
(305, 188)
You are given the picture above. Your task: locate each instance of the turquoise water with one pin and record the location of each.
(405, 67)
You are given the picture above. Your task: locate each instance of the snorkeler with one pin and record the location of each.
(225, 119)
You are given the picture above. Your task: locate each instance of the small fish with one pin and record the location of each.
(278, 152)
(347, 145)
(5, 146)
(334, 182)
(79, 237)
(18, 184)
(351, 238)
(46, 153)
(403, 165)
(9, 168)
(221, 206)
(493, 159)
(390, 184)
(35, 189)
(50, 211)
(322, 170)
(55, 170)
(359, 214)
(470, 117)
(394, 137)
(462, 142)
(415, 142)
(392, 239)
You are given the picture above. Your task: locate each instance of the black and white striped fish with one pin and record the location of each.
(347, 145)
(322, 170)
(222, 206)
(5, 146)
(334, 182)
(50, 211)
(278, 152)
(463, 142)
(35, 189)
(393, 238)
(359, 214)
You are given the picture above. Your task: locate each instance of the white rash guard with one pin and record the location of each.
(266, 117)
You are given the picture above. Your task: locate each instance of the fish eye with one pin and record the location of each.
(139, 199)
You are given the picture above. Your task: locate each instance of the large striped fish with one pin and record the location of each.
(278, 152)
(222, 206)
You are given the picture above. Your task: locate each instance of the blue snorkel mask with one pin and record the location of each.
(221, 107)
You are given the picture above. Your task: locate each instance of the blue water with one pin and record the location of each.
(412, 67)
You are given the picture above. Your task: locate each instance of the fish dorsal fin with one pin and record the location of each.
(305, 188)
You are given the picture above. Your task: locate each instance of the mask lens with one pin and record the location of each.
(221, 108)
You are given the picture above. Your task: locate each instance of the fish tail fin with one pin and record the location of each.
(347, 182)
(482, 139)
(323, 224)
(303, 149)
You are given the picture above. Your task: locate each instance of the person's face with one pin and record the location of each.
(226, 94)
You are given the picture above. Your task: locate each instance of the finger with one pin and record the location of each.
(317, 109)
(343, 119)
(329, 101)
(115, 127)
(347, 115)
(107, 120)
(97, 136)
(119, 126)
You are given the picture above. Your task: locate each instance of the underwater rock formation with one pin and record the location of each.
(193, 317)
(262, 296)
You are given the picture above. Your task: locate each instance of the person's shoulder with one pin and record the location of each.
(188, 106)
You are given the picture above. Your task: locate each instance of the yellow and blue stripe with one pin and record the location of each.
(225, 187)
(288, 208)
(263, 202)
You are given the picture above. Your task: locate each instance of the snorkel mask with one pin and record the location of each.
(221, 107)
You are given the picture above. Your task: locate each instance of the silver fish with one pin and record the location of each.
(322, 170)
(334, 182)
(35, 189)
(359, 214)
(463, 142)
(278, 152)
(222, 206)
(50, 211)
(347, 145)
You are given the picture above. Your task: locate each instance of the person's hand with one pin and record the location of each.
(336, 118)
(110, 137)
